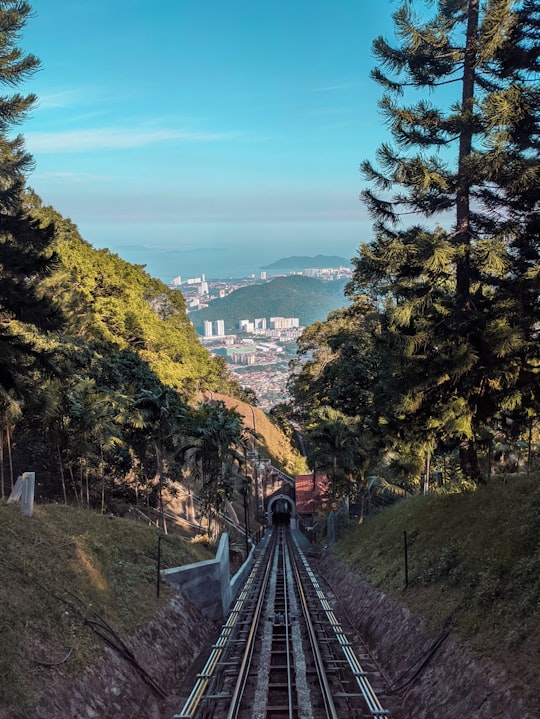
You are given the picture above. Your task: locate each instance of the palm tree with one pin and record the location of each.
(54, 417)
(215, 451)
(10, 411)
(155, 417)
(334, 446)
(93, 427)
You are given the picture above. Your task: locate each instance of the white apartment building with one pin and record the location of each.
(220, 328)
(208, 328)
(284, 323)
(246, 326)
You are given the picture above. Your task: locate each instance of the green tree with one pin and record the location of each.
(215, 452)
(334, 447)
(93, 424)
(338, 361)
(10, 411)
(25, 254)
(159, 424)
(450, 288)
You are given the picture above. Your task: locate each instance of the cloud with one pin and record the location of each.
(334, 88)
(115, 138)
(65, 98)
(73, 177)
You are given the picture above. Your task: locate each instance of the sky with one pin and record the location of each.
(178, 133)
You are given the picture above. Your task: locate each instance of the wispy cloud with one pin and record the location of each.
(116, 138)
(73, 177)
(64, 98)
(331, 111)
(334, 88)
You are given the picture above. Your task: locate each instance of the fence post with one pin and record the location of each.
(158, 576)
(406, 558)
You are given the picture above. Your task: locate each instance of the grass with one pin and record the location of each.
(61, 567)
(472, 556)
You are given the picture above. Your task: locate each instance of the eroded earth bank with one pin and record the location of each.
(428, 677)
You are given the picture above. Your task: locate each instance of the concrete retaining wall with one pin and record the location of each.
(208, 584)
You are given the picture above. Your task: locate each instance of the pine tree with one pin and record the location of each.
(466, 171)
(25, 254)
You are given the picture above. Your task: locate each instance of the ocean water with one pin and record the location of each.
(222, 249)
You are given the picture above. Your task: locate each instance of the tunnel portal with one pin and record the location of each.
(281, 510)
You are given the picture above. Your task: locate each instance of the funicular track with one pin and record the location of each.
(282, 652)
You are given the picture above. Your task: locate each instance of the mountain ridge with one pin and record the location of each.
(308, 298)
(302, 262)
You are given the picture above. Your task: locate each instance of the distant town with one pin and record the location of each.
(259, 353)
(261, 349)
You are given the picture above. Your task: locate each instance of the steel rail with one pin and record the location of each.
(296, 583)
(324, 684)
(368, 693)
(288, 639)
(240, 685)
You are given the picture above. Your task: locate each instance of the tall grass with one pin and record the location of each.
(63, 566)
(474, 556)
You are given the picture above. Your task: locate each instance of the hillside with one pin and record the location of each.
(309, 299)
(272, 443)
(61, 568)
(115, 304)
(474, 557)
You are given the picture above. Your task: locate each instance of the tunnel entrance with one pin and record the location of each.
(280, 510)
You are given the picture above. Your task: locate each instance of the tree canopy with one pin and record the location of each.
(452, 268)
(25, 245)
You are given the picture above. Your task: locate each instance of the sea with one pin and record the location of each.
(222, 250)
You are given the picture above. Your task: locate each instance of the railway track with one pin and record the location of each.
(282, 653)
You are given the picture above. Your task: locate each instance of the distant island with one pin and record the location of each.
(318, 262)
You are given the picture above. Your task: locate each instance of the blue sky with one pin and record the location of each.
(179, 121)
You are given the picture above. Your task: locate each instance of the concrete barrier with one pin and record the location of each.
(208, 584)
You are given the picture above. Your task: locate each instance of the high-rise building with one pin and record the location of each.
(263, 275)
(283, 323)
(220, 328)
(207, 328)
(177, 281)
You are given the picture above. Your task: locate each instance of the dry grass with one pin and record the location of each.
(64, 566)
(473, 556)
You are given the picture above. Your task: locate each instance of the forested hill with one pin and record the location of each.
(309, 299)
(110, 303)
